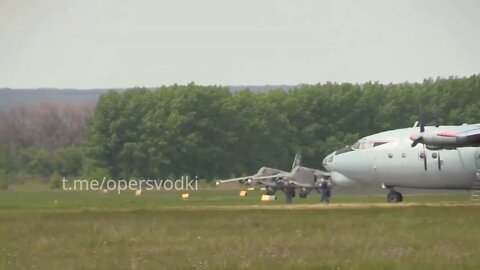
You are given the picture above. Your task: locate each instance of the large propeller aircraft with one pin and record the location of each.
(437, 157)
(302, 178)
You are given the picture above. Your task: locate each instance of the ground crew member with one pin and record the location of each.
(325, 190)
(289, 194)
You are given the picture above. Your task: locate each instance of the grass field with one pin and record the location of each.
(216, 229)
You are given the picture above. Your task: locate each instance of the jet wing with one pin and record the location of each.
(279, 175)
(300, 184)
(238, 179)
(322, 174)
(252, 178)
(319, 175)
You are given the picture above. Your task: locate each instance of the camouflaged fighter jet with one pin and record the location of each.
(437, 157)
(302, 178)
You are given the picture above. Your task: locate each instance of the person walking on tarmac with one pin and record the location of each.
(289, 194)
(326, 191)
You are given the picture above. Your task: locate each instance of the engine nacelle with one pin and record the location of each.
(433, 147)
(341, 180)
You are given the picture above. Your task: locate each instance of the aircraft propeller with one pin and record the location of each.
(437, 125)
(419, 139)
(424, 158)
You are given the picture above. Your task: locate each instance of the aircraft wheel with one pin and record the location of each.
(394, 197)
(302, 195)
(270, 191)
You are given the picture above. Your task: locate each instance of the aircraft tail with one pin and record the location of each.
(297, 161)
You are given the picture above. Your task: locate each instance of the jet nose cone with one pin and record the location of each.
(328, 161)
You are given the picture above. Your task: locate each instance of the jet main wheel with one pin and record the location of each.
(394, 197)
(270, 191)
(302, 195)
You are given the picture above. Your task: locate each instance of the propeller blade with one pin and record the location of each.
(439, 162)
(415, 142)
(422, 122)
(419, 137)
(424, 157)
(437, 121)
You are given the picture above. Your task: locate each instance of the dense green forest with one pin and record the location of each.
(212, 132)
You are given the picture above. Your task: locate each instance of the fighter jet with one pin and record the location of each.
(302, 178)
(437, 157)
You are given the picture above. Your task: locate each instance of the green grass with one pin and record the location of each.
(83, 200)
(158, 230)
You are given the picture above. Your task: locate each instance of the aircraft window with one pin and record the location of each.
(366, 145)
(356, 145)
(363, 144)
(343, 150)
(375, 144)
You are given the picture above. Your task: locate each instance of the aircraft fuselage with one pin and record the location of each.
(387, 158)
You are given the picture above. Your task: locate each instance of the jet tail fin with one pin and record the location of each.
(297, 161)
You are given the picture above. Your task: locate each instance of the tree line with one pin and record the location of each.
(212, 132)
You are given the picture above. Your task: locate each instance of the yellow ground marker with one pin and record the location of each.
(269, 197)
(243, 193)
(185, 196)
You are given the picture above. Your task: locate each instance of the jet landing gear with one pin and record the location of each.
(394, 196)
(303, 193)
(270, 190)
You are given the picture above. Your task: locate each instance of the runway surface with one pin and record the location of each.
(331, 206)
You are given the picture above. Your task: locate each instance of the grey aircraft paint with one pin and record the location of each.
(302, 178)
(388, 159)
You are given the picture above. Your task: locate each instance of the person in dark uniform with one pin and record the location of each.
(289, 194)
(325, 191)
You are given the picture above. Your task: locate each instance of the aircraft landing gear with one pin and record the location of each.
(270, 191)
(394, 197)
(303, 193)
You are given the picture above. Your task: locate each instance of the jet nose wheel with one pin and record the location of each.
(394, 197)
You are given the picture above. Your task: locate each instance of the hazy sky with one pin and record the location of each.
(124, 43)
